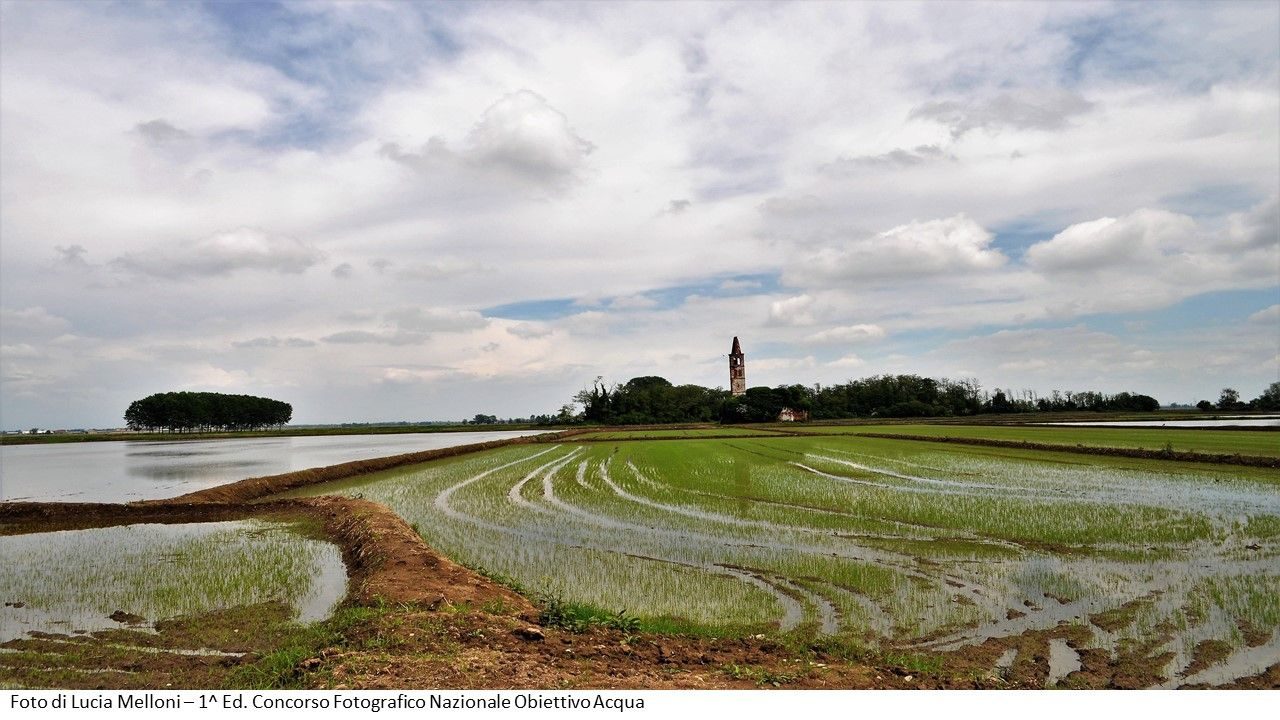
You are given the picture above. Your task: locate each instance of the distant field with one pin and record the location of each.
(1244, 442)
(932, 547)
(659, 434)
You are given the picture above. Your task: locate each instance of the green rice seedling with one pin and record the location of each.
(75, 580)
(855, 536)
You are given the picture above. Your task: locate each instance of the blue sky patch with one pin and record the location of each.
(663, 298)
(1207, 311)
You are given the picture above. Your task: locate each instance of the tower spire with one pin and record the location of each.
(737, 369)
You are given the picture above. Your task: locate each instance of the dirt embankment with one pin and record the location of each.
(1176, 455)
(387, 561)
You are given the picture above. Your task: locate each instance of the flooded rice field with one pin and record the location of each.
(127, 471)
(1176, 566)
(134, 575)
(1253, 421)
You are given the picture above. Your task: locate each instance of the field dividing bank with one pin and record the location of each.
(1262, 443)
(712, 433)
(1140, 572)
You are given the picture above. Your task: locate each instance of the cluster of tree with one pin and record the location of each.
(205, 411)
(1230, 400)
(650, 400)
(1068, 401)
(654, 400)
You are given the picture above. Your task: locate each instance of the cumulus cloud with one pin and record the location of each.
(520, 138)
(920, 249)
(526, 136)
(223, 254)
(32, 321)
(1142, 236)
(1257, 228)
(1024, 109)
(796, 310)
(343, 271)
(847, 334)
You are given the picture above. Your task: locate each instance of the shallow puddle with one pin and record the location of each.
(1063, 660)
(75, 581)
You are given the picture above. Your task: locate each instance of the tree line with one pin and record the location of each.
(1229, 400)
(654, 400)
(205, 411)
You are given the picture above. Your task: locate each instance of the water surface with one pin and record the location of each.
(126, 471)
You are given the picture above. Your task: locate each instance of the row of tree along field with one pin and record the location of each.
(205, 411)
(654, 400)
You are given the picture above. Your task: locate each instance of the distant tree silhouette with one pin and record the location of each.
(204, 411)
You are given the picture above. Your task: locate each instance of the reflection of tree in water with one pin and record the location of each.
(198, 471)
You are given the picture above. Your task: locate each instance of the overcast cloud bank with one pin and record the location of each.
(415, 210)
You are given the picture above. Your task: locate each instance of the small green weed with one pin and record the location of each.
(913, 662)
(578, 617)
(759, 675)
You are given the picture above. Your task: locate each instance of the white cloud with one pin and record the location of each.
(274, 342)
(1267, 316)
(1257, 228)
(1049, 109)
(420, 319)
(366, 337)
(847, 334)
(796, 310)
(222, 254)
(530, 331)
(520, 139)
(632, 302)
(32, 321)
(917, 249)
(1145, 236)
(524, 135)
(848, 361)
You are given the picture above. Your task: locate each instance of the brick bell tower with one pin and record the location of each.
(737, 369)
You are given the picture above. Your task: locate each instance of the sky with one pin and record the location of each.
(423, 211)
